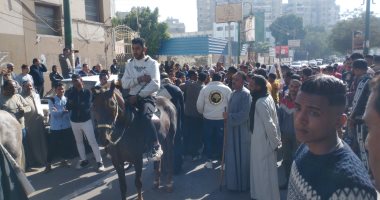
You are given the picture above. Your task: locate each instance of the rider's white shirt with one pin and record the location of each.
(135, 68)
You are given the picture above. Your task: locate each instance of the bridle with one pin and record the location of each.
(112, 126)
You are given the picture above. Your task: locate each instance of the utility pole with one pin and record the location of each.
(238, 43)
(68, 35)
(229, 45)
(367, 29)
(67, 24)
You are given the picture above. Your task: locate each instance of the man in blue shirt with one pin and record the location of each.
(79, 103)
(61, 140)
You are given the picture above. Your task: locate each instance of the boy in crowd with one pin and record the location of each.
(324, 166)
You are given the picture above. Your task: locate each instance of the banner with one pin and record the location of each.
(228, 13)
(282, 51)
(294, 43)
(249, 29)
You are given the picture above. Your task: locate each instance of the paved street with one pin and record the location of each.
(196, 182)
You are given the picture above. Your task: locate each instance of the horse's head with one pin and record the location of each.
(107, 106)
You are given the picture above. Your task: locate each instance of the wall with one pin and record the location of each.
(20, 42)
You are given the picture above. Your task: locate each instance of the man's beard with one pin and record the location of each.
(140, 56)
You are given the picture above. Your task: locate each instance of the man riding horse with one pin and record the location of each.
(142, 79)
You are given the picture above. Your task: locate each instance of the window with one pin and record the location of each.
(231, 27)
(220, 28)
(48, 21)
(92, 8)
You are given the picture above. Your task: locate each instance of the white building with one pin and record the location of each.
(221, 31)
(174, 26)
(322, 13)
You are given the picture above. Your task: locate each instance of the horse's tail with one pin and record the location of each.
(165, 105)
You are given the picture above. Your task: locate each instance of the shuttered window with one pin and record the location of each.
(48, 20)
(92, 8)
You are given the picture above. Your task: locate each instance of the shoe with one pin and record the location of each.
(82, 164)
(47, 168)
(208, 164)
(64, 163)
(101, 167)
(156, 153)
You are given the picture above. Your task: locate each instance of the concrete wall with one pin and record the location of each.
(20, 42)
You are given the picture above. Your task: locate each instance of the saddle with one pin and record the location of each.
(131, 112)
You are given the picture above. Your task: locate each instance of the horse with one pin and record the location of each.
(124, 140)
(11, 137)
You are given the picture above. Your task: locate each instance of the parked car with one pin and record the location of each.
(319, 61)
(296, 64)
(312, 62)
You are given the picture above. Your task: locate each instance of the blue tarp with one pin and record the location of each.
(196, 45)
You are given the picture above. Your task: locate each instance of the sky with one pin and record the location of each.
(186, 10)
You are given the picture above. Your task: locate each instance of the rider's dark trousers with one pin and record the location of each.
(146, 108)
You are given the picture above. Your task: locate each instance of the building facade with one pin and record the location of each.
(322, 13)
(266, 11)
(35, 29)
(174, 26)
(221, 31)
(206, 14)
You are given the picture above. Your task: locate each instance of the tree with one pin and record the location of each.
(286, 28)
(316, 43)
(144, 21)
(261, 47)
(341, 34)
(116, 21)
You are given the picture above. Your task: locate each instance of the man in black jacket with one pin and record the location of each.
(78, 104)
(359, 102)
(36, 71)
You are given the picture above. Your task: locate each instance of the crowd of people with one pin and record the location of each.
(247, 116)
(273, 111)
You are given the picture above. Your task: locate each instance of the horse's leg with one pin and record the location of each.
(157, 174)
(169, 158)
(121, 174)
(138, 181)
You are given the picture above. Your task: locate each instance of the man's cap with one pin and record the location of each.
(10, 65)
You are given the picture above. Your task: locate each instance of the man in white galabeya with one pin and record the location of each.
(142, 79)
